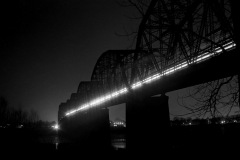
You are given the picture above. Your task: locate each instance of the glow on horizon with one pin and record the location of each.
(107, 97)
(56, 127)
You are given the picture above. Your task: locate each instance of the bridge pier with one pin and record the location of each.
(90, 131)
(147, 122)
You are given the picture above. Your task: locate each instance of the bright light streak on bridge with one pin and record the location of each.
(101, 100)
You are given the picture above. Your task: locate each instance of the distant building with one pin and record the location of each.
(118, 123)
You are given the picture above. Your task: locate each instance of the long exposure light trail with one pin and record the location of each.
(107, 97)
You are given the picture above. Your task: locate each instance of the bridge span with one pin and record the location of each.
(179, 44)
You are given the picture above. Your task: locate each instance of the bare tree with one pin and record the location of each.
(13, 116)
(3, 109)
(140, 7)
(33, 116)
(212, 99)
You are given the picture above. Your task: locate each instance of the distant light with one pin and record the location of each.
(20, 126)
(222, 122)
(56, 127)
(109, 96)
(98, 101)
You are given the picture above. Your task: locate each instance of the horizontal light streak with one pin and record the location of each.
(100, 100)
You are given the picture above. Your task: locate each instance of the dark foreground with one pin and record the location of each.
(188, 142)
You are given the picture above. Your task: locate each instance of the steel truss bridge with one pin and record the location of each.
(177, 43)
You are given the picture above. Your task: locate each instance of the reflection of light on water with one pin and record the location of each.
(56, 141)
(56, 144)
(119, 143)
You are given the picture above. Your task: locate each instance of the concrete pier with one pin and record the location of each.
(90, 130)
(147, 122)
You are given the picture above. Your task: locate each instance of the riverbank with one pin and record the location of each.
(183, 141)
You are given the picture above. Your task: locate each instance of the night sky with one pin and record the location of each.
(49, 46)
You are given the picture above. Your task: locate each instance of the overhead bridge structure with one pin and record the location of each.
(179, 44)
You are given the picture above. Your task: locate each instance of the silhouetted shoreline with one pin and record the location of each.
(182, 140)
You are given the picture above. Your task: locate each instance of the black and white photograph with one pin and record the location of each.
(119, 79)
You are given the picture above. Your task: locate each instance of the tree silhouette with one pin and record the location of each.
(33, 116)
(140, 6)
(15, 117)
(215, 98)
(212, 99)
(3, 110)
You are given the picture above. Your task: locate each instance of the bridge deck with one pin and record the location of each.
(221, 66)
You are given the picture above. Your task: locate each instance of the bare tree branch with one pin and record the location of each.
(216, 98)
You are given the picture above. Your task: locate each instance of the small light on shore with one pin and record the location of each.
(56, 127)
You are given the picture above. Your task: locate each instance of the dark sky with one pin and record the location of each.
(48, 46)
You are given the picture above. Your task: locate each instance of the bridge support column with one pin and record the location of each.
(90, 131)
(147, 122)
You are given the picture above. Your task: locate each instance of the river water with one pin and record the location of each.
(118, 141)
(45, 141)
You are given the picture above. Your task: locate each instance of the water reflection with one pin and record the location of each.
(56, 144)
(119, 143)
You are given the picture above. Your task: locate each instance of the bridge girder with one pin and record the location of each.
(170, 32)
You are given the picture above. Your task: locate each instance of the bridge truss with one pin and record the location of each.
(171, 36)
